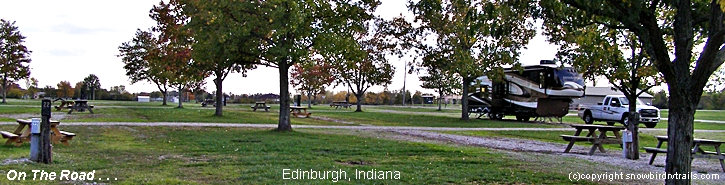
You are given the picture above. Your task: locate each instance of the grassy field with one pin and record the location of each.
(155, 155)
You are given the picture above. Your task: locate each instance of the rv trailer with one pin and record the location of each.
(543, 90)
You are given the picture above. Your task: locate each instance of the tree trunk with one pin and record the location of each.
(284, 99)
(464, 99)
(5, 88)
(164, 94)
(440, 96)
(309, 100)
(679, 132)
(359, 102)
(181, 98)
(219, 96)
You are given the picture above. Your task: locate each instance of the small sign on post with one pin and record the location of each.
(44, 139)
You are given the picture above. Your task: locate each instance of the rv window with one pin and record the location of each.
(542, 80)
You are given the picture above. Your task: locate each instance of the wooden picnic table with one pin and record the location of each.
(261, 105)
(21, 134)
(64, 105)
(340, 104)
(697, 150)
(80, 106)
(300, 111)
(597, 136)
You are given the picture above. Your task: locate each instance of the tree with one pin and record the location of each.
(174, 53)
(216, 52)
(31, 84)
(92, 83)
(14, 56)
(65, 90)
(363, 64)
(311, 76)
(79, 90)
(661, 26)
(476, 36)
(141, 64)
(440, 81)
(599, 51)
(286, 31)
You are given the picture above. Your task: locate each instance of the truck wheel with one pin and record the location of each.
(650, 124)
(495, 115)
(588, 119)
(610, 123)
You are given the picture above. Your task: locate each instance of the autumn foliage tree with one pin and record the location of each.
(140, 63)
(175, 40)
(311, 77)
(65, 90)
(14, 56)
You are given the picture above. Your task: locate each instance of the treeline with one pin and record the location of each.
(713, 100)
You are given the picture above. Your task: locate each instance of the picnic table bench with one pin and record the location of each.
(697, 151)
(300, 111)
(260, 105)
(21, 134)
(340, 104)
(80, 106)
(597, 140)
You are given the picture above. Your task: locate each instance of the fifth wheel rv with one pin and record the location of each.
(543, 90)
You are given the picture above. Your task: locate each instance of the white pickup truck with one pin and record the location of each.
(615, 108)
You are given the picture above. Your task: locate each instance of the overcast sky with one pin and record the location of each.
(74, 38)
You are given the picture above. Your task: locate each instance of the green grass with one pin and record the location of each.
(717, 115)
(160, 155)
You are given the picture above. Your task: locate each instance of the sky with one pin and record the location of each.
(71, 39)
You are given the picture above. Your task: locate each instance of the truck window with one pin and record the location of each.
(624, 101)
(606, 101)
(614, 100)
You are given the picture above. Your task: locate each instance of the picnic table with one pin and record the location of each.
(80, 106)
(300, 111)
(21, 134)
(597, 136)
(64, 104)
(340, 104)
(260, 105)
(697, 150)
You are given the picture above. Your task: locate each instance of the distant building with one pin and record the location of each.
(594, 95)
(427, 98)
(143, 98)
(452, 99)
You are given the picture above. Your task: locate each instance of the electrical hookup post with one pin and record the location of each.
(40, 148)
(630, 138)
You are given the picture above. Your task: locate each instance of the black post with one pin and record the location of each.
(45, 148)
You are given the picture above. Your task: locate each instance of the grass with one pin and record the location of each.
(159, 155)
